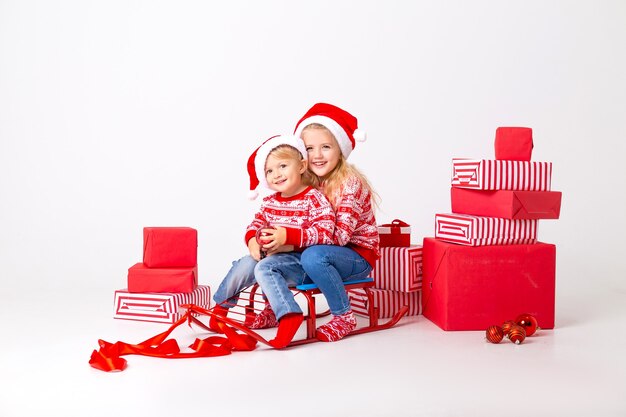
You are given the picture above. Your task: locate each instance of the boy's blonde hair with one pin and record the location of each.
(339, 175)
(289, 152)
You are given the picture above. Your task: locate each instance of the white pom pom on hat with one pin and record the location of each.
(339, 122)
(360, 135)
(256, 161)
(253, 194)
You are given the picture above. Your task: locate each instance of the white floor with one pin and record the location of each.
(414, 369)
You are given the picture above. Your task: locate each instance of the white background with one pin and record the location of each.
(122, 114)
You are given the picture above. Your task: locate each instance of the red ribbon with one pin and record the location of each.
(108, 357)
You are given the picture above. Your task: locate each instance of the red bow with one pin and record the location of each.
(108, 357)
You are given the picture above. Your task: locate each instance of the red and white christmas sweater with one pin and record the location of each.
(308, 217)
(355, 226)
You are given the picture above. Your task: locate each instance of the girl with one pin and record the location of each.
(299, 215)
(329, 135)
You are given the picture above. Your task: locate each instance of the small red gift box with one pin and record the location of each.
(465, 229)
(165, 247)
(471, 288)
(399, 269)
(144, 279)
(159, 308)
(397, 233)
(514, 143)
(491, 174)
(388, 302)
(507, 204)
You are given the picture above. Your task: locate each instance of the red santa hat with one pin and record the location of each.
(256, 162)
(339, 122)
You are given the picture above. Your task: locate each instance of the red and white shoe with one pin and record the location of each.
(336, 329)
(265, 319)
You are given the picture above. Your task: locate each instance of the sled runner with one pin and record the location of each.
(251, 301)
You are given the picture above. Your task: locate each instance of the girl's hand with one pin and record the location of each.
(254, 249)
(274, 238)
(283, 248)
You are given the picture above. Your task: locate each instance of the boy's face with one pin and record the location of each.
(322, 149)
(284, 175)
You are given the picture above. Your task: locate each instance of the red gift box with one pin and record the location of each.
(507, 204)
(159, 308)
(144, 279)
(472, 288)
(490, 174)
(395, 234)
(465, 229)
(165, 247)
(514, 143)
(399, 269)
(388, 302)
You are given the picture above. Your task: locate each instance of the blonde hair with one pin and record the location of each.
(289, 152)
(333, 183)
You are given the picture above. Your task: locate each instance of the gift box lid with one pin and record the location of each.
(396, 226)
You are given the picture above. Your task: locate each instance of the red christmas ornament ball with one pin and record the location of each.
(506, 326)
(494, 334)
(517, 334)
(528, 322)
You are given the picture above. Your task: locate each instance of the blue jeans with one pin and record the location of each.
(274, 274)
(240, 276)
(328, 266)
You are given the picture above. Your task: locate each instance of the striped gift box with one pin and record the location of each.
(482, 231)
(388, 302)
(158, 307)
(399, 269)
(492, 174)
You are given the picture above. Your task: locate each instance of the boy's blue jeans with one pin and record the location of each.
(328, 266)
(274, 274)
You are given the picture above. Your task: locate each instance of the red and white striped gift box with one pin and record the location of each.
(388, 302)
(482, 231)
(158, 307)
(399, 269)
(493, 174)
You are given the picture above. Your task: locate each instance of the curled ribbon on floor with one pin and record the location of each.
(109, 357)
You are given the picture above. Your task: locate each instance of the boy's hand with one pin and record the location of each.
(254, 249)
(274, 238)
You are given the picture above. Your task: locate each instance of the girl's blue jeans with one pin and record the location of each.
(274, 274)
(328, 266)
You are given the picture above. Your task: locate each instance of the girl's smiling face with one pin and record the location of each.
(322, 149)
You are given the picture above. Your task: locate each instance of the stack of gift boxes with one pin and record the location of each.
(484, 265)
(397, 274)
(167, 277)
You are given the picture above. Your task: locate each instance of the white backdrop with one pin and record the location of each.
(122, 114)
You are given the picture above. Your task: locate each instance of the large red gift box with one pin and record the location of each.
(144, 279)
(491, 174)
(388, 302)
(165, 247)
(465, 229)
(399, 269)
(506, 203)
(159, 308)
(514, 143)
(395, 234)
(472, 288)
